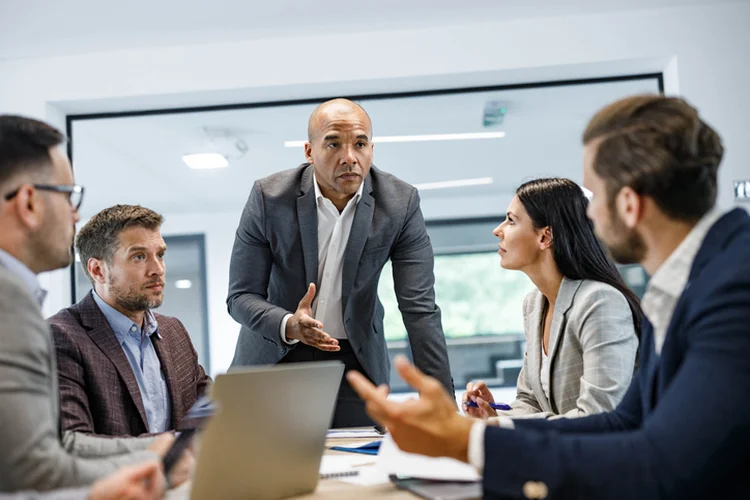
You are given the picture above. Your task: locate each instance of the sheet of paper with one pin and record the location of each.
(391, 460)
(337, 464)
(352, 434)
(368, 476)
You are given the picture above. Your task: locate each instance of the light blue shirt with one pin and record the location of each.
(146, 366)
(28, 277)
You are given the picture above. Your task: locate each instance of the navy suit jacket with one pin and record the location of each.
(683, 429)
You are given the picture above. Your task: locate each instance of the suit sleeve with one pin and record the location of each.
(250, 272)
(691, 443)
(67, 494)
(75, 413)
(414, 281)
(32, 457)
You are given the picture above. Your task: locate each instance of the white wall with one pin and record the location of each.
(703, 49)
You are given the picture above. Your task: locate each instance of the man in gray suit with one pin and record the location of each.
(308, 254)
(38, 211)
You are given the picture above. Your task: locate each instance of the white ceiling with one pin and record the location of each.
(31, 28)
(138, 159)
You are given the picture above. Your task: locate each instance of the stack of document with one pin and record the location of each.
(393, 461)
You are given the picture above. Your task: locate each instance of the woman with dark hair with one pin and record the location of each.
(582, 323)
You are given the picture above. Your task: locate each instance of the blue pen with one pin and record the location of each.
(494, 406)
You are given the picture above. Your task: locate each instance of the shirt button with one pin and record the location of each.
(132, 329)
(535, 489)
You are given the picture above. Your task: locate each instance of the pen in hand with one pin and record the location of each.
(494, 406)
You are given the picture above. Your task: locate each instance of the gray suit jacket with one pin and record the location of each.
(592, 352)
(32, 456)
(68, 494)
(275, 256)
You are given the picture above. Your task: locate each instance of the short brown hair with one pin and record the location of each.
(659, 147)
(25, 145)
(99, 237)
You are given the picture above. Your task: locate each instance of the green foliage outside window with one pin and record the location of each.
(477, 297)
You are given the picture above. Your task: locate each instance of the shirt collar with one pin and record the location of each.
(26, 275)
(319, 195)
(121, 324)
(673, 274)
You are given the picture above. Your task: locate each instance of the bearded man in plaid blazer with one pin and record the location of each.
(124, 370)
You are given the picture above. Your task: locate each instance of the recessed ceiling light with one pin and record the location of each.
(451, 184)
(420, 138)
(202, 161)
(183, 284)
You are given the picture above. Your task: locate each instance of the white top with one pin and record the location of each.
(333, 235)
(544, 371)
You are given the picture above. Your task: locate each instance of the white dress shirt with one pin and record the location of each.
(659, 301)
(333, 235)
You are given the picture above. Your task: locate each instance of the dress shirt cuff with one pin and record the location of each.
(505, 422)
(476, 445)
(282, 331)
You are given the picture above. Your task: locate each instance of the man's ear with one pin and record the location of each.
(545, 238)
(97, 270)
(28, 205)
(308, 152)
(629, 206)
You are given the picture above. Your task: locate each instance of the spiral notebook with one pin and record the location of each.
(342, 466)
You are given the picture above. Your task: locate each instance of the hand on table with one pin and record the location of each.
(137, 482)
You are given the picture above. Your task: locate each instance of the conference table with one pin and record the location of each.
(337, 489)
(331, 488)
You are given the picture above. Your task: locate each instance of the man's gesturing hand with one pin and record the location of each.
(303, 327)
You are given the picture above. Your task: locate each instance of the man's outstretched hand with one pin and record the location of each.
(303, 327)
(428, 425)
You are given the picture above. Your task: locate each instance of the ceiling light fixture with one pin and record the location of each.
(203, 161)
(183, 284)
(419, 138)
(480, 181)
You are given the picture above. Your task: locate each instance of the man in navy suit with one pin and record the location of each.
(683, 428)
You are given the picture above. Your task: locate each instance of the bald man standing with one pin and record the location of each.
(308, 254)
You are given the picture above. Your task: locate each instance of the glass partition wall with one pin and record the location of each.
(465, 149)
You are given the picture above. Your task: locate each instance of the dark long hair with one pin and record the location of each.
(560, 204)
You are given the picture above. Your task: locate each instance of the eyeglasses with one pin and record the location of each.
(74, 192)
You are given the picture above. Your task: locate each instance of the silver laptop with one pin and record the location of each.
(267, 437)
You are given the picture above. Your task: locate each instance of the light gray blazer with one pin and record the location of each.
(592, 352)
(275, 256)
(67, 494)
(32, 455)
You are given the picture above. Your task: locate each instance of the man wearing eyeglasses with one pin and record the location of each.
(38, 211)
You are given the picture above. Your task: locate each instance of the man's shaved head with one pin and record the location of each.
(334, 107)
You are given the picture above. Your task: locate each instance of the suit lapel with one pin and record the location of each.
(307, 217)
(161, 347)
(102, 335)
(534, 350)
(357, 239)
(563, 303)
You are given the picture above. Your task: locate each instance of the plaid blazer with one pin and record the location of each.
(98, 390)
(592, 352)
